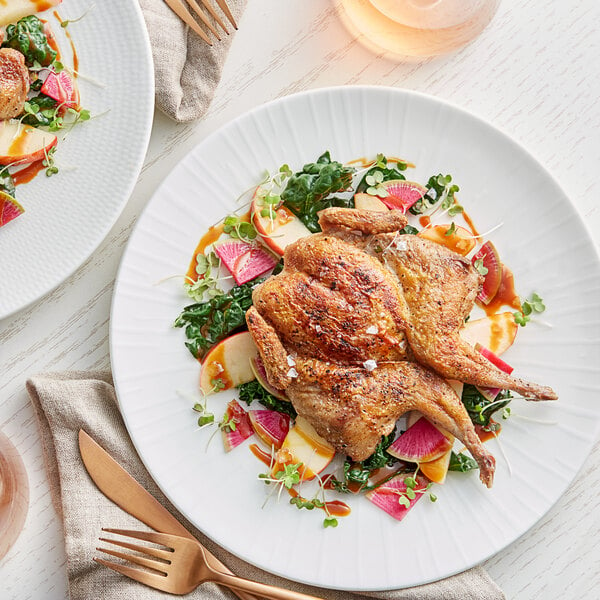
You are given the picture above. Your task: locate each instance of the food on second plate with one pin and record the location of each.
(39, 97)
(365, 319)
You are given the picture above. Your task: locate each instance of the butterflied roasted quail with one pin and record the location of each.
(371, 318)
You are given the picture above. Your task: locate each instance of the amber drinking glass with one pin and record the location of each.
(405, 29)
(14, 494)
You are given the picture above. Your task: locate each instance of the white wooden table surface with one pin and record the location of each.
(535, 72)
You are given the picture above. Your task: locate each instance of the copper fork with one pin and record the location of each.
(180, 566)
(187, 11)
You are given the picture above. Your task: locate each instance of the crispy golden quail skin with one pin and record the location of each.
(371, 319)
(14, 83)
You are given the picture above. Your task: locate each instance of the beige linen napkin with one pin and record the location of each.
(66, 402)
(186, 69)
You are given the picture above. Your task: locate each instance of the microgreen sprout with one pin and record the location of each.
(412, 489)
(207, 283)
(238, 229)
(64, 24)
(478, 264)
(535, 304)
(48, 162)
(375, 183)
(451, 230)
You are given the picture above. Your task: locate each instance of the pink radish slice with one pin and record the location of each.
(492, 279)
(386, 496)
(402, 194)
(422, 442)
(491, 393)
(9, 209)
(59, 86)
(252, 264)
(270, 426)
(243, 427)
(229, 252)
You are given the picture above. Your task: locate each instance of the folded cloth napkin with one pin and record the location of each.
(67, 402)
(186, 69)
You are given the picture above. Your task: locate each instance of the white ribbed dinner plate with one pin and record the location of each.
(69, 214)
(543, 240)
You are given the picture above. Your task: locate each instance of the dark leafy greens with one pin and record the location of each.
(461, 462)
(40, 111)
(307, 191)
(207, 323)
(356, 475)
(481, 409)
(253, 390)
(389, 171)
(28, 37)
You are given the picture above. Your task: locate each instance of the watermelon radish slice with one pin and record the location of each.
(491, 393)
(422, 442)
(239, 418)
(386, 496)
(258, 368)
(252, 264)
(60, 87)
(402, 194)
(9, 208)
(270, 426)
(229, 252)
(491, 261)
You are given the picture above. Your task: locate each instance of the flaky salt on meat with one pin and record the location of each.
(14, 83)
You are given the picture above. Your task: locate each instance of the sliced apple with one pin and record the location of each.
(460, 240)
(23, 144)
(277, 227)
(304, 445)
(496, 332)
(368, 202)
(12, 11)
(228, 364)
(258, 368)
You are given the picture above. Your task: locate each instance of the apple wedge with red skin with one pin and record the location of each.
(304, 445)
(227, 364)
(281, 230)
(364, 201)
(20, 144)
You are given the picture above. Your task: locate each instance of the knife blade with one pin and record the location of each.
(120, 487)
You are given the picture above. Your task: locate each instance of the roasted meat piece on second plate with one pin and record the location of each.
(370, 318)
(14, 83)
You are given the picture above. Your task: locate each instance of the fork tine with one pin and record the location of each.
(181, 11)
(223, 6)
(149, 536)
(157, 552)
(211, 10)
(159, 582)
(149, 563)
(194, 5)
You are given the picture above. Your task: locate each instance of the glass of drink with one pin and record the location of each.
(404, 29)
(14, 494)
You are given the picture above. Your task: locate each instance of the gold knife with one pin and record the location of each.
(120, 487)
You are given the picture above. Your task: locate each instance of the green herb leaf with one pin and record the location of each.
(28, 37)
(461, 462)
(307, 192)
(248, 392)
(330, 522)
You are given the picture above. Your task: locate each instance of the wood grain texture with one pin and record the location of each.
(533, 73)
